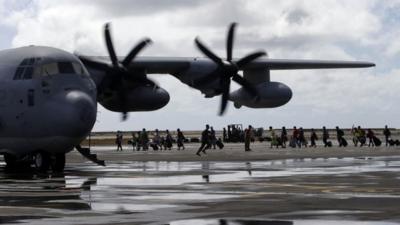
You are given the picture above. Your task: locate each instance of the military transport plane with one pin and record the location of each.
(48, 97)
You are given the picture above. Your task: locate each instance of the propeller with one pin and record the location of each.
(118, 74)
(228, 69)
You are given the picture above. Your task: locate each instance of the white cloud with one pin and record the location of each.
(330, 29)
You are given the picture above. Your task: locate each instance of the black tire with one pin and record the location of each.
(42, 161)
(58, 162)
(10, 160)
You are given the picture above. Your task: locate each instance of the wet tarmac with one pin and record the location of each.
(350, 191)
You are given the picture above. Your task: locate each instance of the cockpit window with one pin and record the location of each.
(66, 67)
(61, 68)
(47, 70)
(28, 69)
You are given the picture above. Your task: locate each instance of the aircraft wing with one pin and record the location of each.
(289, 64)
(173, 65)
(153, 65)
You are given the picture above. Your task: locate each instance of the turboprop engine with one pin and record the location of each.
(270, 95)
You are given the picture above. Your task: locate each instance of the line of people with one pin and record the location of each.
(141, 141)
(298, 138)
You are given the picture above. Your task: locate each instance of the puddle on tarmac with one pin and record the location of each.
(213, 172)
(277, 222)
(184, 196)
(125, 207)
(139, 187)
(231, 222)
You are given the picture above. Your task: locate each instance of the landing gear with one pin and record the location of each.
(42, 161)
(58, 162)
(10, 160)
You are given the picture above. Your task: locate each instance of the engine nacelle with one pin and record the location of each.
(140, 98)
(198, 69)
(271, 95)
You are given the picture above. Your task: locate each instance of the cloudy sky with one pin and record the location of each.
(365, 30)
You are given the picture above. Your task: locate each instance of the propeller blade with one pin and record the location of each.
(208, 52)
(124, 116)
(110, 46)
(132, 54)
(228, 70)
(229, 41)
(225, 95)
(247, 59)
(105, 83)
(122, 100)
(95, 64)
(245, 84)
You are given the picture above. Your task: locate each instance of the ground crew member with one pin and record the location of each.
(387, 134)
(248, 133)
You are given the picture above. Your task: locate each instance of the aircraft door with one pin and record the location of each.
(31, 97)
(3, 97)
(3, 103)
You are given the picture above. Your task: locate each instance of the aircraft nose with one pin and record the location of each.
(74, 113)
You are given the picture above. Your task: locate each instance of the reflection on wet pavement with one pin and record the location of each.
(275, 222)
(161, 192)
(231, 222)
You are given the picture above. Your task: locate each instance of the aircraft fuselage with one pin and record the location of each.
(47, 101)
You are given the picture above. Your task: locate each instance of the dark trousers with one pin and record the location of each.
(247, 144)
(180, 144)
(119, 147)
(340, 142)
(204, 145)
(371, 142)
(325, 141)
(313, 143)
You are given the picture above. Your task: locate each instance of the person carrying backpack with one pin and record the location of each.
(325, 137)
(340, 137)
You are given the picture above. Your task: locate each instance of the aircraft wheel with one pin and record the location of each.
(58, 162)
(42, 161)
(237, 105)
(10, 160)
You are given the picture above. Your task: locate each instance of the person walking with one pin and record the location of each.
(134, 141)
(224, 135)
(387, 134)
(370, 136)
(229, 134)
(138, 141)
(361, 136)
(284, 137)
(313, 138)
(205, 140)
(325, 137)
(157, 140)
(295, 138)
(355, 133)
(339, 136)
(118, 140)
(180, 139)
(168, 140)
(248, 134)
(274, 140)
(213, 137)
(302, 138)
(144, 140)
